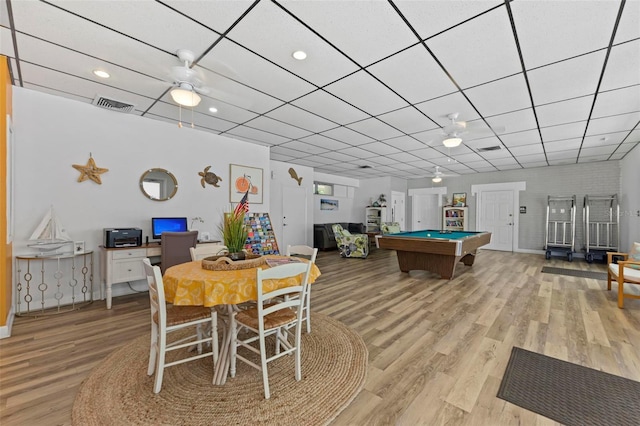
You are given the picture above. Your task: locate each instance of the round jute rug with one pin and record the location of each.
(334, 364)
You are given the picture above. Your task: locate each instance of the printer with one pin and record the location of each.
(122, 237)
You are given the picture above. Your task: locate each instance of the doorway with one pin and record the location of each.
(495, 213)
(398, 208)
(294, 217)
(426, 208)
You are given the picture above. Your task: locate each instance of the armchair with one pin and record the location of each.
(626, 271)
(389, 228)
(351, 245)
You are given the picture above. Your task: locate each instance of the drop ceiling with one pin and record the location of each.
(548, 82)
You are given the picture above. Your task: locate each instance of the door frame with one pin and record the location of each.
(441, 190)
(515, 187)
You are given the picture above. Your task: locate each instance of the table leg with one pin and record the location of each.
(221, 370)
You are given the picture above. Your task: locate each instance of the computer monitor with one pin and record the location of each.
(167, 224)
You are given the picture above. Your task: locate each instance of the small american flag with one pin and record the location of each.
(243, 206)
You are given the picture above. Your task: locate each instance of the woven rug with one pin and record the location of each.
(334, 364)
(575, 273)
(569, 393)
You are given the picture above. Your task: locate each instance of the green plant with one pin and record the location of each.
(234, 233)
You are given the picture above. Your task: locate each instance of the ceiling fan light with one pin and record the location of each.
(452, 142)
(185, 97)
(436, 179)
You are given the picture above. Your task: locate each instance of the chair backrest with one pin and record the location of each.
(304, 251)
(156, 294)
(206, 250)
(174, 248)
(390, 228)
(338, 230)
(265, 297)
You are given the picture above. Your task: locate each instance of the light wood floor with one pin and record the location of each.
(437, 348)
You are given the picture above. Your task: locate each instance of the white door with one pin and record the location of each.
(294, 217)
(496, 216)
(398, 208)
(425, 212)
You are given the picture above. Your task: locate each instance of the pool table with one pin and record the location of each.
(434, 250)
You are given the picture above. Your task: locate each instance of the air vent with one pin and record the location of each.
(490, 148)
(112, 104)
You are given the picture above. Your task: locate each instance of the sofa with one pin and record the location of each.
(324, 238)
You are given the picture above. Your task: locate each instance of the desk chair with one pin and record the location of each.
(271, 317)
(206, 250)
(167, 319)
(174, 248)
(311, 254)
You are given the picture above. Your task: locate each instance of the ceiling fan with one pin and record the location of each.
(187, 83)
(438, 175)
(452, 133)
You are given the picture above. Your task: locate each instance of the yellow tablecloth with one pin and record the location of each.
(188, 284)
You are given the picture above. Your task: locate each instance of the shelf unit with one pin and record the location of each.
(261, 239)
(454, 218)
(374, 216)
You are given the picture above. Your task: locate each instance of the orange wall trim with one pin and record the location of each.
(6, 248)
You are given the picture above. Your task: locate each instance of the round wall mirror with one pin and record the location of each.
(158, 184)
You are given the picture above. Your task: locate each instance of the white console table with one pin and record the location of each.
(121, 265)
(53, 283)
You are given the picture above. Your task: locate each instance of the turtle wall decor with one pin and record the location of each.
(209, 177)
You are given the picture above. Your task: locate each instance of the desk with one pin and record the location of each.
(189, 284)
(431, 250)
(124, 264)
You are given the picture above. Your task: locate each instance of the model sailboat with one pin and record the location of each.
(49, 234)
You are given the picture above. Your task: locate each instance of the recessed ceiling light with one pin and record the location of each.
(299, 55)
(213, 109)
(101, 73)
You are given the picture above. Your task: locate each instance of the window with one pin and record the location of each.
(322, 188)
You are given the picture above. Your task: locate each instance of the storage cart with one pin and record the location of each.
(601, 219)
(560, 235)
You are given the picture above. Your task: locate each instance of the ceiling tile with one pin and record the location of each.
(249, 69)
(564, 112)
(303, 147)
(563, 131)
(597, 151)
(566, 79)
(408, 120)
(565, 145)
(375, 128)
(358, 152)
(219, 18)
(611, 139)
(257, 135)
(616, 123)
(301, 118)
(439, 109)
(403, 157)
(521, 138)
(629, 27)
(516, 121)
(545, 36)
(330, 107)
(487, 53)
(337, 156)
(617, 102)
(348, 136)
(485, 100)
(405, 73)
(283, 150)
(526, 150)
(380, 148)
(405, 143)
(366, 93)
(622, 66)
(377, 24)
(325, 142)
(280, 35)
(276, 127)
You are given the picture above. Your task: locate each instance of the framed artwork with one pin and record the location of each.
(459, 199)
(243, 179)
(327, 204)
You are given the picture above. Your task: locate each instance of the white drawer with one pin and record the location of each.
(153, 251)
(129, 254)
(128, 270)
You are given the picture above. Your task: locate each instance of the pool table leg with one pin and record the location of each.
(436, 263)
(469, 258)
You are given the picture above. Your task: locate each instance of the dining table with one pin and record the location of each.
(189, 284)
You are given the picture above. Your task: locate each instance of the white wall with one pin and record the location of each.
(345, 188)
(630, 199)
(52, 134)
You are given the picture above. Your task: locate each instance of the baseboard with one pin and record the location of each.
(5, 330)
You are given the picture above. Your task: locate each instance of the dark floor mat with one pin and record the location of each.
(575, 273)
(569, 393)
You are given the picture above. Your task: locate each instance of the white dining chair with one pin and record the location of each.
(168, 319)
(205, 250)
(310, 253)
(271, 316)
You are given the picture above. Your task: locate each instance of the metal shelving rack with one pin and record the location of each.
(601, 221)
(560, 235)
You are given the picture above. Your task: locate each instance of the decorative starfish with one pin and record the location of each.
(90, 171)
